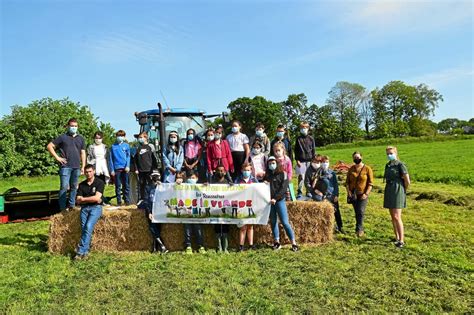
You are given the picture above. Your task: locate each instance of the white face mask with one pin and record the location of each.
(217, 136)
(315, 165)
(256, 151)
(325, 165)
(210, 138)
(98, 141)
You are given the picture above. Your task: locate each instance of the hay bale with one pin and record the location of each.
(126, 229)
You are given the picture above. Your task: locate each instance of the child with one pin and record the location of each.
(305, 150)
(173, 157)
(280, 137)
(203, 173)
(311, 177)
(258, 161)
(239, 147)
(190, 228)
(119, 165)
(97, 156)
(145, 162)
(261, 137)
(218, 152)
(147, 205)
(192, 151)
(278, 181)
(327, 187)
(285, 162)
(247, 229)
(222, 230)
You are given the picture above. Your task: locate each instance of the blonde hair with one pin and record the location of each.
(392, 148)
(279, 144)
(304, 124)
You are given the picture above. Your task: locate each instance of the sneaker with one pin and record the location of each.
(253, 247)
(276, 246)
(400, 244)
(188, 250)
(299, 196)
(241, 248)
(395, 242)
(360, 233)
(78, 257)
(202, 250)
(295, 248)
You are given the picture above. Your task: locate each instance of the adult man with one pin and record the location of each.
(89, 196)
(72, 155)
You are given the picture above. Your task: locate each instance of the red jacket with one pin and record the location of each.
(219, 154)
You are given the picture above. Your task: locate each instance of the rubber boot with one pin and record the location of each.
(219, 244)
(225, 243)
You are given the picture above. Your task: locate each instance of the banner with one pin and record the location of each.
(214, 204)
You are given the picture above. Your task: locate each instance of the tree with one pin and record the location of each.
(344, 100)
(324, 124)
(293, 110)
(38, 123)
(396, 106)
(250, 111)
(448, 124)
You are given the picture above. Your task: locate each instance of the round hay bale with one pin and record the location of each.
(126, 229)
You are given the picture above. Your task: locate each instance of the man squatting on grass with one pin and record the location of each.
(89, 196)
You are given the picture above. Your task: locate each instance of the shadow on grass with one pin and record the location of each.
(28, 241)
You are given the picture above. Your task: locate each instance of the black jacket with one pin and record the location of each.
(305, 149)
(145, 159)
(278, 184)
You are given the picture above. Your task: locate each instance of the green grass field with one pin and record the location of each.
(433, 273)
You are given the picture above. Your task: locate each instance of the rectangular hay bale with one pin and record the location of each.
(126, 229)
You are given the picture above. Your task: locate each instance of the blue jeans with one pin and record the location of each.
(122, 178)
(279, 208)
(89, 217)
(69, 179)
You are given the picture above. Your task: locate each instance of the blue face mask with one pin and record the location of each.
(72, 130)
(259, 133)
(304, 131)
(120, 139)
(280, 134)
(190, 137)
(191, 181)
(391, 157)
(272, 166)
(246, 174)
(235, 129)
(173, 140)
(141, 140)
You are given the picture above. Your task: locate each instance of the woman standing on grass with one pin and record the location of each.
(397, 182)
(359, 183)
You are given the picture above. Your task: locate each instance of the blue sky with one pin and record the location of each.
(116, 56)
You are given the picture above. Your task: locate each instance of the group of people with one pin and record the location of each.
(216, 159)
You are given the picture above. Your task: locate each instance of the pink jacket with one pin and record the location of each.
(287, 166)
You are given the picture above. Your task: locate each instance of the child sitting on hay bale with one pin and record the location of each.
(147, 205)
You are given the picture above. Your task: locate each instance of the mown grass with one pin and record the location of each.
(440, 162)
(433, 273)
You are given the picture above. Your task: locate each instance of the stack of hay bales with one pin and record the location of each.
(126, 229)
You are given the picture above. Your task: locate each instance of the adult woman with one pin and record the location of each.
(173, 157)
(359, 181)
(278, 180)
(97, 156)
(397, 182)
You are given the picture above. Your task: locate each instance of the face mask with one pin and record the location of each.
(141, 140)
(98, 141)
(210, 138)
(246, 174)
(235, 129)
(272, 166)
(190, 137)
(259, 133)
(315, 165)
(357, 161)
(72, 130)
(304, 131)
(173, 139)
(217, 136)
(120, 139)
(325, 165)
(191, 181)
(256, 151)
(391, 156)
(280, 134)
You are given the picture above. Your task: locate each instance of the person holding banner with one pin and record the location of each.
(222, 230)
(173, 157)
(195, 229)
(247, 229)
(278, 180)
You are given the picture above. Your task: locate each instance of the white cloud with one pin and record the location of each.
(439, 78)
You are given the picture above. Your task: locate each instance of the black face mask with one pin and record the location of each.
(357, 161)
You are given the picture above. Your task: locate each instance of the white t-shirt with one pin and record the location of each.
(236, 142)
